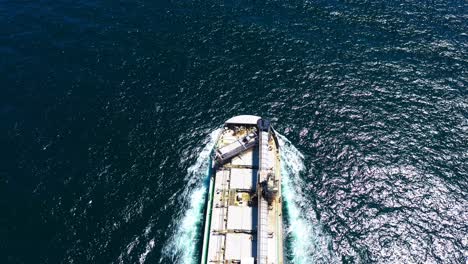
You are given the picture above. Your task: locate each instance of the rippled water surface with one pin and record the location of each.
(108, 111)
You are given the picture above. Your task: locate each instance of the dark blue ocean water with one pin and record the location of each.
(107, 111)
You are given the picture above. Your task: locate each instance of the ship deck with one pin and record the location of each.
(232, 227)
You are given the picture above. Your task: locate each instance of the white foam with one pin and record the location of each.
(182, 245)
(310, 244)
(148, 249)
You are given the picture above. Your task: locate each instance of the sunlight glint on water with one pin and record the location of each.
(309, 243)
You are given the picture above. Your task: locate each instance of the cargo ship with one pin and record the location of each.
(243, 213)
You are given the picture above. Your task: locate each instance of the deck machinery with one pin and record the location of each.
(243, 216)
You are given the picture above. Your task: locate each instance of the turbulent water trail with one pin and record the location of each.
(309, 243)
(182, 245)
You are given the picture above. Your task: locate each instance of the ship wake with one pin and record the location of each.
(306, 240)
(182, 246)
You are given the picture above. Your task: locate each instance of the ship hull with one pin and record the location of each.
(243, 212)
